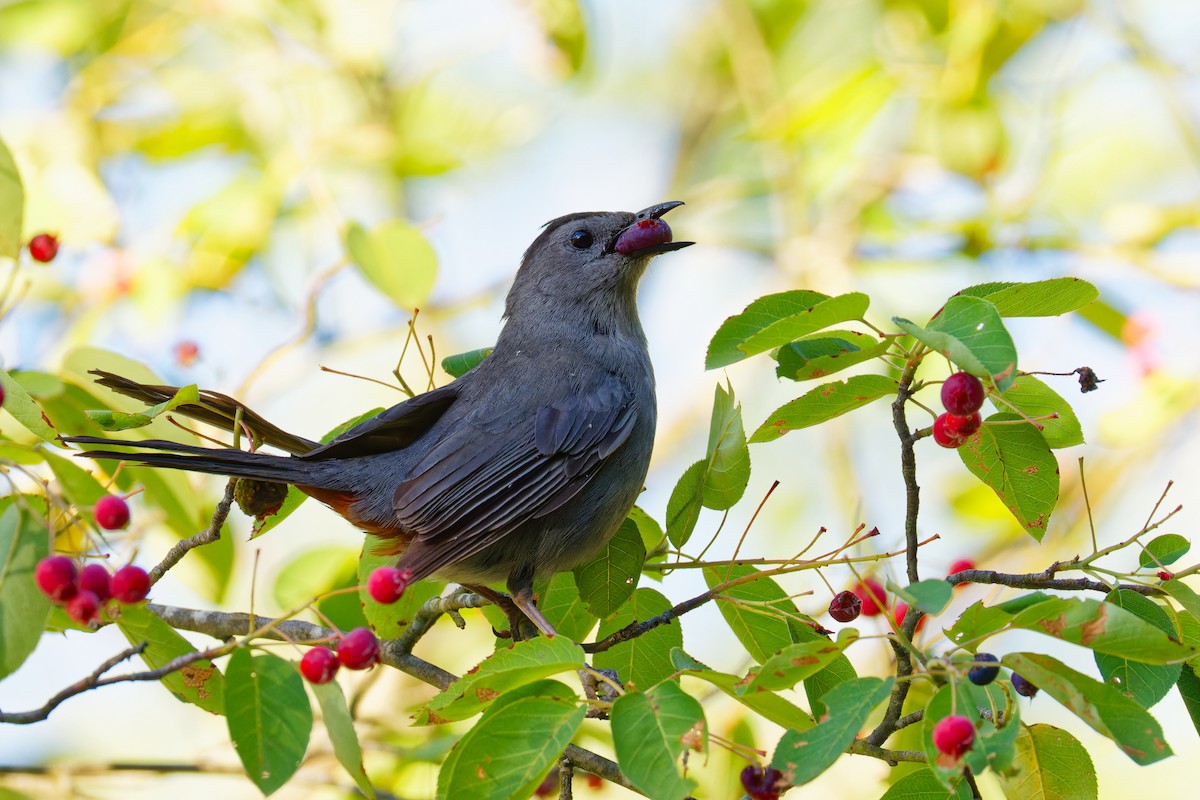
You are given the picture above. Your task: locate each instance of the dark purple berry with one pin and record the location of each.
(763, 783)
(981, 674)
(846, 607)
(1023, 687)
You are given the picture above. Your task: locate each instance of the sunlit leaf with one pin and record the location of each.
(826, 353)
(778, 319)
(199, 683)
(758, 611)
(124, 420)
(824, 403)
(766, 704)
(513, 745)
(1035, 399)
(727, 469)
(335, 713)
(1145, 683)
(560, 602)
(1048, 298)
(12, 205)
(396, 258)
(25, 409)
(924, 785)
(969, 332)
(1163, 550)
(1013, 459)
(1100, 705)
(1104, 628)
(23, 607)
(608, 580)
(683, 507)
(645, 660)
(796, 662)
(1051, 764)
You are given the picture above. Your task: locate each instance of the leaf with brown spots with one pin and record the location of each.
(824, 403)
(1014, 460)
(1104, 628)
(1103, 707)
(200, 683)
(795, 663)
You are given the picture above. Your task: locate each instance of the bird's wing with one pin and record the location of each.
(476, 486)
(392, 429)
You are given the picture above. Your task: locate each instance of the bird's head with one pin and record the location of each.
(590, 262)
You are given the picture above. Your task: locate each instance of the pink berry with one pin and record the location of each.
(641, 235)
(94, 578)
(962, 394)
(963, 427)
(112, 512)
(953, 735)
(358, 649)
(43, 247)
(947, 431)
(319, 665)
(873, 596)
(83, 607)
(56, 576)
(387, 584)
(130, 584)
(186, 353)
(763, 783)
(846, 607)
(962, 565)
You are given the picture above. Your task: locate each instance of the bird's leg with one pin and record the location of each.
(520, 587)
(519, 627)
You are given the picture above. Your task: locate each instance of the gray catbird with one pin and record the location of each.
(526, 465)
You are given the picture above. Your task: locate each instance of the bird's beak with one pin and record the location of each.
(649, 235)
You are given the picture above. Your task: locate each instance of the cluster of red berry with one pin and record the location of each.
(358, 649)
(962, 396)
(83, 592)
(870, 599)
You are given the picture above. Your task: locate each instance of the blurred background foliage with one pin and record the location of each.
(246, 190)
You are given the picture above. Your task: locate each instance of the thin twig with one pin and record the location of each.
(207, 536)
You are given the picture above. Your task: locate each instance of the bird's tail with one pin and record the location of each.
(214, 408)
(215, 461)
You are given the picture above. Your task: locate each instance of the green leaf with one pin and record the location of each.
(291, 501)
(20, 404)
(683, 508)
(650, 731)
(1104, 628)
(269, 717)
(513, 745)
(460, 364)
(516, 665)
(340, 725)
(1101, 706)
(796, 662)
(126, 420)
(561, 604)
(824, 403)
(803, 755)
(1189, 690)
(969, 331)
(312, 572)
(727, 470)
(1050, 764)
(825, 353)
(838, 672)
(777, 319)
(646, 660)
(12, 205)
(78, 485)
(757, 611)
(1164, 550)
(924, 785)
(608, 580)
(977, 623)
(390, 621)
(1145, 683)
(1035, 399)
(200, 683)
(767, 705)
(994, 747)
(1049, 298)
(565, 25)
(931, 596)
(23, 607)
(396, 258)
(1015, 462)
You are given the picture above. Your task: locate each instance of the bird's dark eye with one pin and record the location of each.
(581, 240)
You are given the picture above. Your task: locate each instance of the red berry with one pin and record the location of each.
(56, 577)
(43, 247)
(963, 427)
(846, 607)
(83, 607)
(358, 649)
(1, 394)
(953, 735)
(873, 596)
(902, 611)
(594, 781)
(130, 584)
(548, 786)
(962, 394)
(1165, 575)
(319, 665)
(763, 783)
(94, 578)
(112, 512)
(186, 353)
(942, 435)
(387, 584)
(962, 565)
